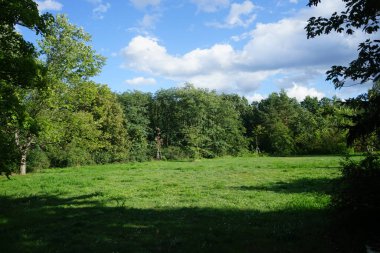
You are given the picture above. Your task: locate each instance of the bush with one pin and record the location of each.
(358, 198)
(37, 160)
(71, 155)
(9, 155)
(102, 157)
(175, 153)
(77, 156)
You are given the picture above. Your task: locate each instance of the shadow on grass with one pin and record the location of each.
(83, 224)
(304, 185)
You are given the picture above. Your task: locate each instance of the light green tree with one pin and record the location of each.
(85, 121)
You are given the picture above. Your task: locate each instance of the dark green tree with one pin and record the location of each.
(20, 75)
(136, 107)
(359, 14)
(363, 15)
(357, 201)
(278, 116)
(197, 122)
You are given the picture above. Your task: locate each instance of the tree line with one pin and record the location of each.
(54, 115)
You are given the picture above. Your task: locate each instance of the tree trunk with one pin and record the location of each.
(23, 164)
(24, 149)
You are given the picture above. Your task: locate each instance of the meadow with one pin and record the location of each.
(254, 204)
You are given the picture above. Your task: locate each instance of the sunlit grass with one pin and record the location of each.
(258, 204)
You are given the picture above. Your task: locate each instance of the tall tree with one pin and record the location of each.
(364, 15)
(357, 199)
(359, 14)
(136, 106)
(278, 115)
(86, 117)
(200, 122)
(20, 74)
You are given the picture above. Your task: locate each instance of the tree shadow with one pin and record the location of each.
(304, 185)
(85, 224)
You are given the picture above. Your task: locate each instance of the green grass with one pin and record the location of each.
(223, 205)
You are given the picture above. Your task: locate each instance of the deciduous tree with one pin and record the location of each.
(21, 75)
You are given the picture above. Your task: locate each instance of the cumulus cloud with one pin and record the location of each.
(293, 1)
(239, 15)
(273, 50)
(213, 68)
(284, 45)
(49, 5)
(211, 5)
(145, 54)
(141, 4)
(138, 81)
(300, 92)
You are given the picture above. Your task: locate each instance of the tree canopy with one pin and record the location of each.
(20, 73)
(361, 15)
(358, 15)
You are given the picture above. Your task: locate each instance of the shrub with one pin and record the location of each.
(71, 155)
(77, 156)
(102, 157)
(358, 198)
(37, 160)
(9, 155)
(175, 153)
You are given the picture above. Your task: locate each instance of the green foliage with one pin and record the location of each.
(84, 122)
(37, 160)
(366, 120)
(73, 154)
(198, 120)
(287, 127)
(357, 201)
(359, 14)
(136, 107)
(21, 75)
(67, 54)
(8, 153)
(176, 153)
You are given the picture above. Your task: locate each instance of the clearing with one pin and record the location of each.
(255, 204)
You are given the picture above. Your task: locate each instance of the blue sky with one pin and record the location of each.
(247, 47)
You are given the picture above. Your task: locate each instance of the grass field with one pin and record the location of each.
(223, 205)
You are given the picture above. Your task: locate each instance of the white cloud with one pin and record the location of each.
(300, 92)
(141, 81)
(145, 54)
(141, 4)
(212, 68)
(293, 1)
(99, 10)
(211, 5)
(256, 97)
(239, 15)
(149, 21)
(49, 5)
(241, 37)
(284, 44)
(273, 50)
(237, 11)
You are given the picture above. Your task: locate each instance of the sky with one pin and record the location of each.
(248, 47)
